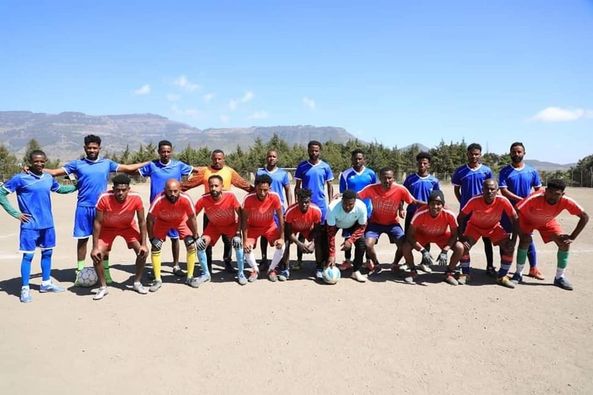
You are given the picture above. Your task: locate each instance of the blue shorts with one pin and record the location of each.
(83, 222)
(42, 238)
(374, 231)
(173, 233)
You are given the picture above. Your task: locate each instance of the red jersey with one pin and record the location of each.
(172, 214)
(302, 222)
(222, 212)
(535, 210)
(425, 224)
(260, 214)
(116, 215)
(486, 216)
(385, 203)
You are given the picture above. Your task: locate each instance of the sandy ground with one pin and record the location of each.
(300, 336)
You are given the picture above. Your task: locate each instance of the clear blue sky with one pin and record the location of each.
(397, 72)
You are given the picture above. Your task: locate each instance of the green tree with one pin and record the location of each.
(8, 164)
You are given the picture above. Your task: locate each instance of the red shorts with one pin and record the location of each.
(440, 240)
(547, 231)
(496, 234)
(161, 229)
(214, 232)
(271, 234)
(107, 236)
(307, 234)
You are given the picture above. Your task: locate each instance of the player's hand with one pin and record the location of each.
(25, 217)
(346, 245)
(237, 242)
(331, 262)
(565, 239)
(201, 243)
(308, 248)
(246, 247)
(401, 212)
(156, 243)
(279, 243)
(426, 258)
(442, 259)
(143, 251)
(96, 255)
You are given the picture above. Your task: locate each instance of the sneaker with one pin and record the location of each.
(241, 279)
(284, 275)
(156, 285)
(370, 265)
(345, 265)
(424, 268)
(101, 293)
(319, 275)
(51, 287)
(76, 278)
(463, 279)
(272, 276)
(535, 273)
(138, 287)
(192, 282)
(204, 278)
(505, 282)
(376, 269)
(357, 275)
(450, 279)
(563, 283)
(228, 267)
(517, 278)
(253, 277)
(296, 265)
(178, 271)
(26, 295)
(409, 279)
(491, 271)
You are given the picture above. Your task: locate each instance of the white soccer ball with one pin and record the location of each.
(87, 277)
(331, 275)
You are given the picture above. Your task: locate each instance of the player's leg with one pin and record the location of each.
(226, 256)
(156, 244)
(27, 245)
(458, 250)
(133, 238)
(264, 254)
(174, 236)
(249, 256)
(506, 260)
(525, 239)
(47, 242)
(469, 239)
(190, 247)
(488, 251)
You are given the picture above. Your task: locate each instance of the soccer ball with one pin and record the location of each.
(331, 275)
(87, 277)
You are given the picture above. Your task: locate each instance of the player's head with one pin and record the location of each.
(92, 146)
(436, 201)
(272, 158)
(165, 151)
(262, 186)
(121, 187)
(474, 153)
(386, 176)
(517, 152)
(303, 196)
(554, 191)
(215, 185)
(423, 160)
(314, 150)
(348, 200)
(37, 159)
(357, 159)
(172, 190)
(490, 189)
(217, 158)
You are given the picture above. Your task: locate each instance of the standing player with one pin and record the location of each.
(224, 213)
(538, 212)
(516, 181)
(33, 189)
(467, 181)
(257, 219)
(483, 214)
(115, 217)
(172, 209)
(92, 173)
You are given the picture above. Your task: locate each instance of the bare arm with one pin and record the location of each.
(133, 168)
(510, 195)
(97, 226)
(583, 219)
(330, 190)
(149, 226)
(457, 191)
(297, 186)
(142, 225)
(55, 172)
(288, 195)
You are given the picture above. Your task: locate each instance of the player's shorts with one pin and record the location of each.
(84, 217)
(496, 234)
(45, 239)
(374, 231)
(161, 229)
(441, 240)
(547, 231)
(173, 234)
(107, 236)
(214, 232)
(271, 234)
(346, 233)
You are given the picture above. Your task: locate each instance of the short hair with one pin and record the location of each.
(517, 144)
(386, 169)
(356, 152)
(217, 151)
(348, 194)
(314, 142)
(557, 184)
(36, 152)
(164, 143)
(121, 179)
(263, 179)
(215, 176)
(91, 138)
(423, 155)
(436, 194)
(474, 146)
(304, 193)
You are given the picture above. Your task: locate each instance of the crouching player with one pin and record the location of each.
(485, 212)
(301, 227)
(115, 217)
(438, 225)
(172, 209)
(223, 211)
(538, 212)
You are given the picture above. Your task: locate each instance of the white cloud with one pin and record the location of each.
(258, 115)
(246, 98)
(309, 103)
(208, 97)
(173, 97)
(143, 90)
(225, 119)
(557, 114)
(186, 84)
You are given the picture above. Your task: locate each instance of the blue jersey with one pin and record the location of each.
(519, 181)
(279, 181)
(314, 177)
(92, 178)
(421, 187)
(351, 179)
(470, 180)
(32, 194)
(160, 172)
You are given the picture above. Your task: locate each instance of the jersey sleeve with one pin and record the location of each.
(194, 180)
(185, 168)
(331, 218)
(13, 184)
(55, 185)
(239, 181)
(199, 205)
(101, 204)
(373, 177)
(456, 178)
(343, 185)
(285, 179)
(537, 182)
(436, 185)
(572, 206)
(362, 219)
(329, 175)
(298, 174)
(508, 208)
(468, 208)
(146, 170)
(70, 167)
(113, 166)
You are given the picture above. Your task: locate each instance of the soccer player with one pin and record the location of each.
(115, 217)
(386, 197)
(467, 182)
(33, 189)
(484, 213)
(517, 181)
(224, 213)
(538, 212)
(301, 227)
(257, 219)
(159, 171)
(172, 209)
(350, 215)
(280, 185)
(230, 178)
(438, 225)
(92, 173)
